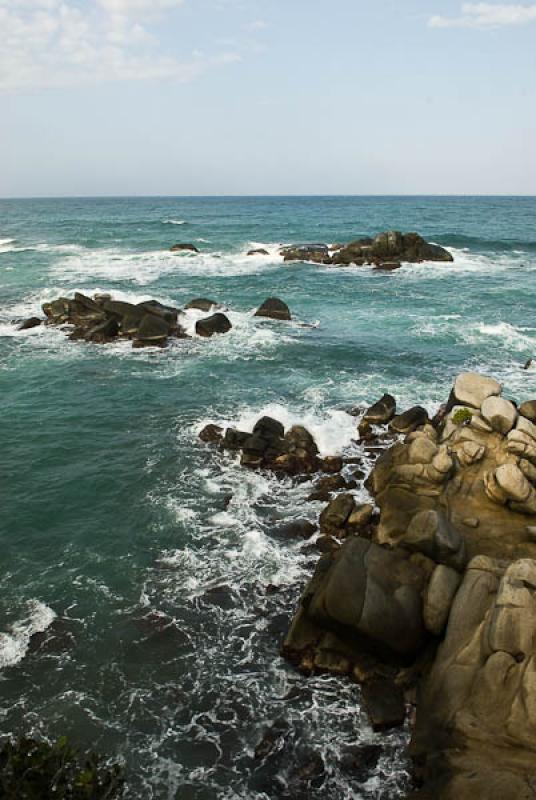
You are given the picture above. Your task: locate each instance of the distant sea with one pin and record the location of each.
(134, 612)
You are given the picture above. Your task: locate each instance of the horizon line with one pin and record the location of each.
(254, 196)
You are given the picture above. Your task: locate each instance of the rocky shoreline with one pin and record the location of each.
(426, 595)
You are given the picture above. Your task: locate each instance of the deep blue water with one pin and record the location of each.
(114, 532)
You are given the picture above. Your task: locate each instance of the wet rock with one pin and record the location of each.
(272, 739)
(528, 364)
(384, 704)
(211, 434)
(103, 333)
(274, 308)
(382, 411)
(294, 529)
(153, 331)
(331, 464)
(360, 517)
(168, 313)
(216, 324)
(410, 420)
(334, 517)
(234, 440)
(260, 251)
(387, 266)
(201, 304)
(183, 246)
(57, 312)
(318, 253)
(325, 486)
(326, 544)
(269, 428)
(391, 247)
(432, 533)
(31, 322)
(221, 596)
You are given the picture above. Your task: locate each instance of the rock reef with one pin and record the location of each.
(386, 251)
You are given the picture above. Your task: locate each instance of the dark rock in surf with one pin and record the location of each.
(259, 252)
(153, 331)
(410, 420)
(382, 411)
(212, 434)
(384, 704)
(216, 324)
(274, 308)
(201, 304)
(168, 313)
(318, 253)
(295, 529)
(176, 248)
(31, 322)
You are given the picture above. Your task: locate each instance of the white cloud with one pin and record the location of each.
(54, 43)
(486, 16)
(256, 25)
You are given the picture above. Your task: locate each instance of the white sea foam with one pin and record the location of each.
(6, 245)
(15, 642)
(174, 221)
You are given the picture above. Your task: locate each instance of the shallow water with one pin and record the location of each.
(133, 599)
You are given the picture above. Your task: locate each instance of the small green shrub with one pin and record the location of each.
(32, 770)
(462, 416)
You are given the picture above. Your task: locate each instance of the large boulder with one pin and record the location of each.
(168, 313)
(153, 331)
(273, 308)
(31, 322)
(318, 253)
(472, 389)
(409, 420)
(217, 323)
(476, 719)
(390, 247)
(371, 592)
(528, 410)
(201, 304)
(499, 413)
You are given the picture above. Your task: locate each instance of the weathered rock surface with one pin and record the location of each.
(202, 304)
(31, 322)
(274, 308)
(382, 411)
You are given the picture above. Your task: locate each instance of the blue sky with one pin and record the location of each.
(108, 97)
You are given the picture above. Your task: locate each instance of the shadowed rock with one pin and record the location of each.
(217, 323)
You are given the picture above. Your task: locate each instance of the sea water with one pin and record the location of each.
(134, 611)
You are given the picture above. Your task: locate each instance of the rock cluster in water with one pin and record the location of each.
(432, 594)
(386, 251)
(101, 320)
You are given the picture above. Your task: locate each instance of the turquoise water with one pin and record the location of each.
(155, 639)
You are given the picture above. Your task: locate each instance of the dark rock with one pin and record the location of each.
(325, 486)
(295, 529)
(168, 313)
(57, 312)
(258, 252)
(391, 248)
(310, 771)
(201, 304)
(217, 323)
(273, 739)
(410, 420)
(212, 434)
(334, 517)
(31, 322)
(184, 246)
(331, 464)
(221, 596)
(318, 253)
(87, 302)
(102, 333)
(326, 544)
(273, 308)
(269, 428)
(528, 363)
(384, 704)
(432, 533)
(122, 310)
(382, 411)
(234, 440)
(152, 331)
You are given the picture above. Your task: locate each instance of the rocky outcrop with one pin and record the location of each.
(386, 251)
(100, 319)
(31, 322)
(259, 251)
(434, 600)
(201, 304)
(274, 308)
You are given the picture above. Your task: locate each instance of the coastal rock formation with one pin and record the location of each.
(217, 323)
(437, 595)
(274, 308)
(386, 251)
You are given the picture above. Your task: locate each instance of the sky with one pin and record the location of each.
(255, 97)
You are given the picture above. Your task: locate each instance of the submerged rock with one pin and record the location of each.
(202, 304)
(31, 322)
(184, 246)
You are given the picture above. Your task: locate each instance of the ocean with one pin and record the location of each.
(145, 588)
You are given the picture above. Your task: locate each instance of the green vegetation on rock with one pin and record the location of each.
(462, 416)
(32, 770)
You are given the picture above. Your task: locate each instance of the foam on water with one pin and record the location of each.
(14, 644)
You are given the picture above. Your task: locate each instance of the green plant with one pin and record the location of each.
(33, 770)
(462, 416)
